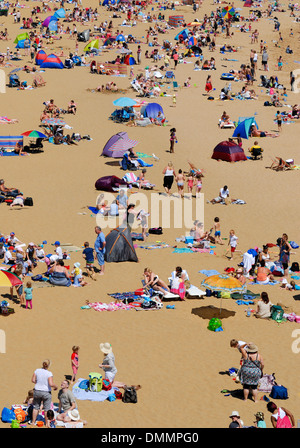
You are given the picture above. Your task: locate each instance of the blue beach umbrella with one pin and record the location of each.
(124, 102)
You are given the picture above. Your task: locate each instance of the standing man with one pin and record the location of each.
(100, 244)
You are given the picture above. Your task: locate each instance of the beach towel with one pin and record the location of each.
(81, 394)
(208, 273)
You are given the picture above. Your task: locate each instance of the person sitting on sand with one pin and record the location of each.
(72, 108)
(5, 191)
(152, 280)
(239, 276)
(264, 306)
(18, 149)
(264, 275)
(223, 196)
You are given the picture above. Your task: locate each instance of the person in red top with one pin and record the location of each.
(74, 362)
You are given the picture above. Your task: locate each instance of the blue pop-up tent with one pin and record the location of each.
(184, 33)
(243, 128)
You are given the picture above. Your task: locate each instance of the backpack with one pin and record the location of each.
(295, 267)
(276, 312)
(28, 201)
(95, 382)
(130, 395)
(279, 393)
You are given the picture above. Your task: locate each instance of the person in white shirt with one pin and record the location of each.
(223, 196)
(58, 250)
(43, 380)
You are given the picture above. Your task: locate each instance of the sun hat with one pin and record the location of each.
(77, 264)
(234, 414)
(74, 415)
(252, 348)
(105, 347)
(31, 244)
(260, 415)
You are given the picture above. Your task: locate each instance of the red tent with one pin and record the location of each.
(229, 152)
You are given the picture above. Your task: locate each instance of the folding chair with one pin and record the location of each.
(175, 85)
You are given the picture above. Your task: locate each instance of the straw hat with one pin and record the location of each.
(105, 347)
(74, 415)
(252, 348)
(260, 415)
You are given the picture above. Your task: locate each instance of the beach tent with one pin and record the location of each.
(129, 60)
(109, 41)
(192, 41)
(151, 110)
(22, 36)
(83, 36)
(52, 61)
(92, 44)
(120, 38)
(118, 144)
(40, 57)
(229, 152)
(184, 33)
(52, 26)
(109, 183)
(60, 13)
(243, 128)
(119, 246)
(48, 20)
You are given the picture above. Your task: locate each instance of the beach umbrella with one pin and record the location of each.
(243, 128)
(223, 283)
(109, 41)
(9, 279)
(118, 144)
(120, 38)
(228, 12)
(34, 134)
(124, 102)
(193, 23)
(129, 60)
(92, 44)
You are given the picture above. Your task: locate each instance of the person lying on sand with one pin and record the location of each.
(254, 132)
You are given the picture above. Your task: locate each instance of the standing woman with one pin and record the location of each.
(208, 85)
(172, 139)
(251, 370)
(43, 380)
(169, 174)
(284, 254)
(292, 80)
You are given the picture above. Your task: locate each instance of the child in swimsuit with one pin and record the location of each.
(190, 182)
(217, 229)
(198, 185)
(180, 182)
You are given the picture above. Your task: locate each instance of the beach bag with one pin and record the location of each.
(28, 201)
(130, 395)
(279, 393)
(266, 383)
(95, 382)
(106, 384)
(37, 278)
(15, 424)
(283, 422)
(276, 312)
(84, 384)
(225, 295)
(118, 395)
(20, 414)
(294, 245)
(156, 230)
(7, 415)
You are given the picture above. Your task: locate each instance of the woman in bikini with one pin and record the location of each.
(153, 281)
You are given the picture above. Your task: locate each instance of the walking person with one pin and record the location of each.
(100, 244)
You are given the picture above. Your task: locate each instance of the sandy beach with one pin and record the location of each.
(180, 364)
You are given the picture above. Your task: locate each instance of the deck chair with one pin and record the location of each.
(169, 75)
(38, 81)
(175, 85)
(279, 164)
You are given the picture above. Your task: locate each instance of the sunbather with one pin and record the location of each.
(153, 281)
